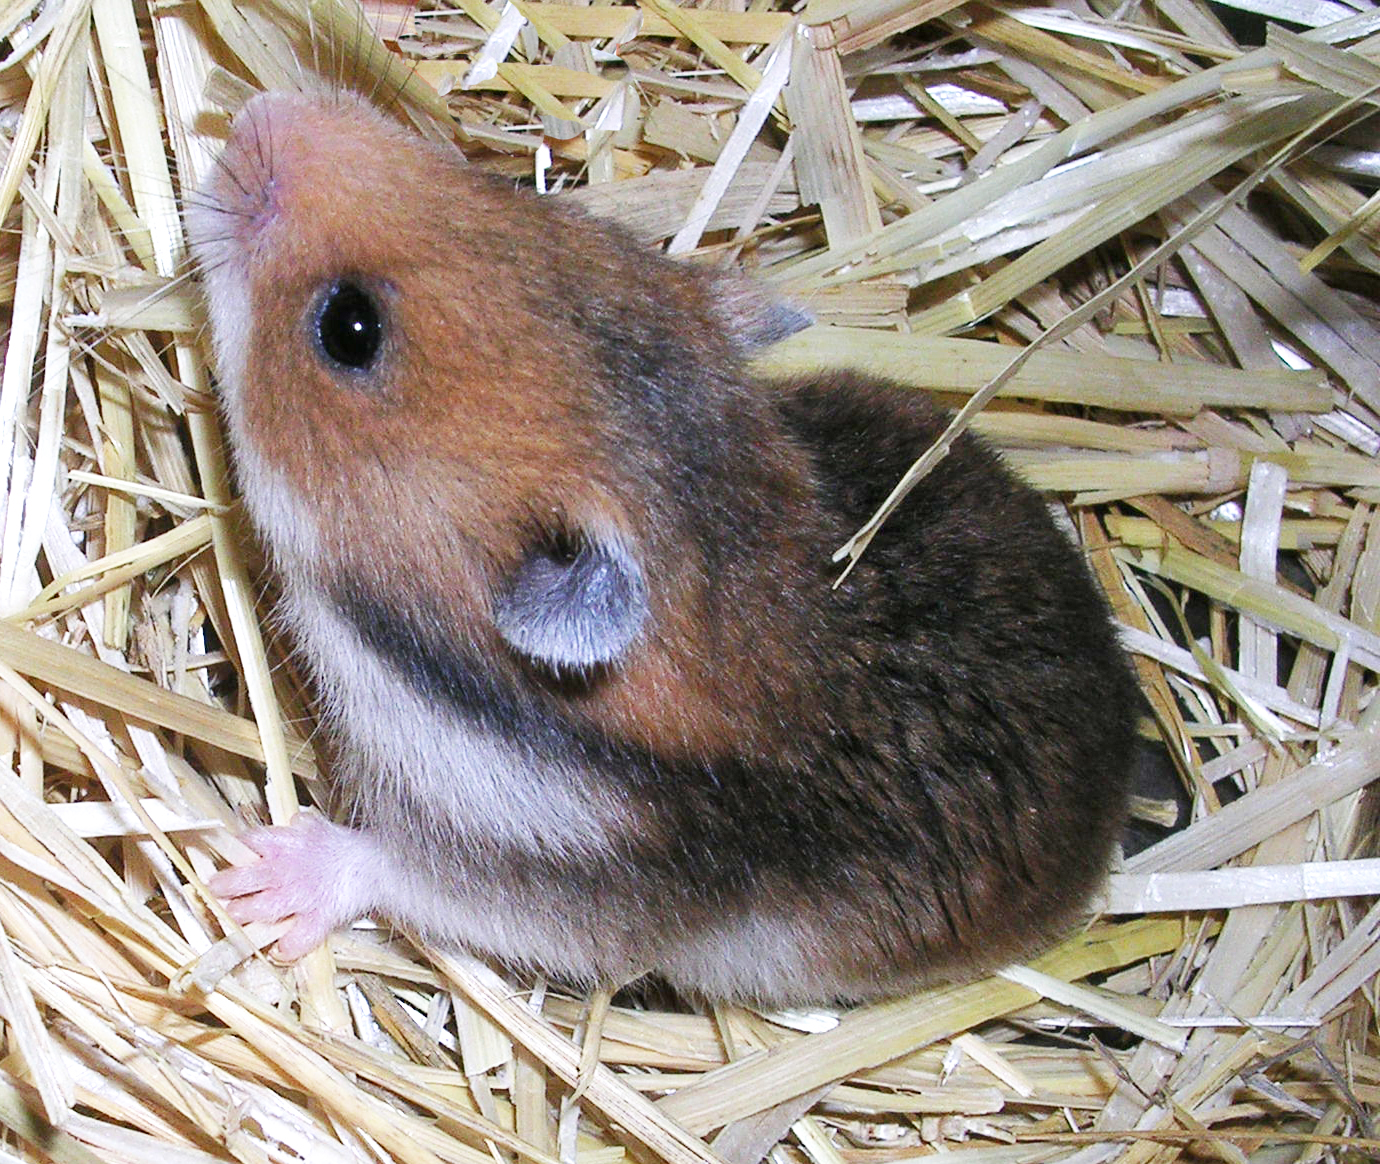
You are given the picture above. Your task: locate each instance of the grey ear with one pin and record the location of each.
(755, 317)
(573, 609)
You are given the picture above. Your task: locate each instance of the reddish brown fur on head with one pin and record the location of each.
(466, 410)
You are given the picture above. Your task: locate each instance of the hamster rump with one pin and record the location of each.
(560, 569)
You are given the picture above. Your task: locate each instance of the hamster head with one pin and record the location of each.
(465, 395)
(381, 360)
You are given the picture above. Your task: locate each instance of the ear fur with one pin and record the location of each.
(573, 606)
(753, 315)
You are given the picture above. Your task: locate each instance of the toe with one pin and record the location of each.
(238, 880)
(306, 934)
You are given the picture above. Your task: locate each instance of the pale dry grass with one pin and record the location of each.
(1145, 257)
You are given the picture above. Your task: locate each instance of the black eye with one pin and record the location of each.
(349, 326)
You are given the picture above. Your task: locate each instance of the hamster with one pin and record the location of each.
(560, 569)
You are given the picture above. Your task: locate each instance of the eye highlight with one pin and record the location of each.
(348, 327)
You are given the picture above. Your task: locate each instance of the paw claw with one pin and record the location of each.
(301, 940)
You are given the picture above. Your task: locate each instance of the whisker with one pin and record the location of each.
(224, 166)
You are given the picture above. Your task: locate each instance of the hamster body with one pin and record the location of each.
(561, 572)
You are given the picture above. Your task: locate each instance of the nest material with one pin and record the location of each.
(1144, 251)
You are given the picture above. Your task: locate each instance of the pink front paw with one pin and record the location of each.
(305, 872)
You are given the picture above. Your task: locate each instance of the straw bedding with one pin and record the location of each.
(1137, 248)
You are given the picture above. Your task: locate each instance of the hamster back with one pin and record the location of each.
(560, 568)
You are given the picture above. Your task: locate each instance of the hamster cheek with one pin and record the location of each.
(315, 872)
